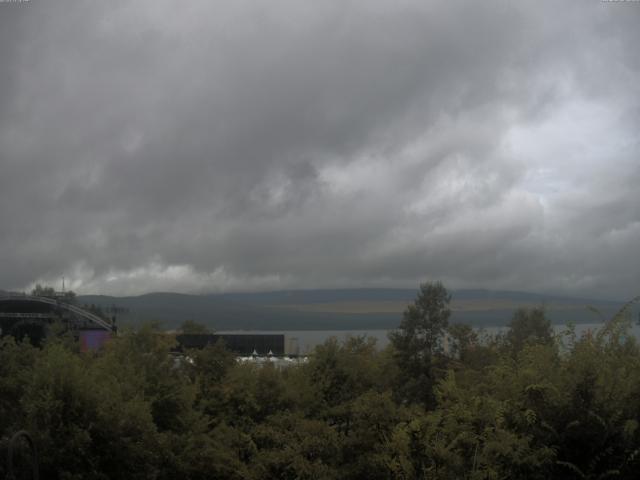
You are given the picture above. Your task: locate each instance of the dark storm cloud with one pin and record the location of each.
(204, 146)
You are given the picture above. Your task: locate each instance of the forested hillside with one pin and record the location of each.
(340, 309)
(525, 405)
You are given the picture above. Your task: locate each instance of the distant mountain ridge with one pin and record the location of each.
(337, 309)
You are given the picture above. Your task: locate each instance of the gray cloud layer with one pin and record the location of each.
(203, 146)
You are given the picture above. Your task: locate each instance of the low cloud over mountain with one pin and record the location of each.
(209, 146)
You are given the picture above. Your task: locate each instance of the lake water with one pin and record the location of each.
(304, 341)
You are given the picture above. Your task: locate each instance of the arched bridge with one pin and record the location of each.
(96, 320)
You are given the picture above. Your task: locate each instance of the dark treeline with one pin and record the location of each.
(526, 404)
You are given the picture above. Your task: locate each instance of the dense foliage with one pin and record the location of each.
(526, 404)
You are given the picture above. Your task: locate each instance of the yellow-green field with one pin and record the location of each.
(393, 306)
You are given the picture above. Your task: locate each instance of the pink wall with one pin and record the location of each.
(92, 340)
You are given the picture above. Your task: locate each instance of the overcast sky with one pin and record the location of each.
(203, 146)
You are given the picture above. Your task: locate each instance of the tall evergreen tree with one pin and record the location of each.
(417, 340)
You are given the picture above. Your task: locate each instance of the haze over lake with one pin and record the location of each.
(306, 340)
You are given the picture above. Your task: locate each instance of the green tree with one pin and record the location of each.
(208, 368)
(374, 417)
(85, 424)
(193, 327)
(418, 339)
(16, 365)
(340, 372)
(69, 297)
(291, 447)
(462, 339)
(40, 291)
(529, 327)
